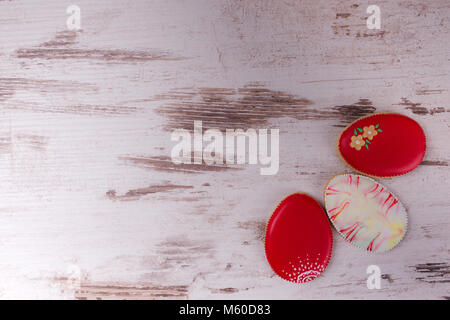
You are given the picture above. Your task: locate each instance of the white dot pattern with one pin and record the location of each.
(303, 270)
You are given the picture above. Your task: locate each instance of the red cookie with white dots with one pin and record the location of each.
(298, 239)
(383, 145)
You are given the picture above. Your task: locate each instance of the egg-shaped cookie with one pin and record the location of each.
(298, 240)
(383, 145)
(365, 212)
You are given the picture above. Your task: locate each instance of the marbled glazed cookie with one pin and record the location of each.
(298, 239)
(365, 212)
(383, 145)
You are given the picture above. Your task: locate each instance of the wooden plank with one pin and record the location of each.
(92, 206)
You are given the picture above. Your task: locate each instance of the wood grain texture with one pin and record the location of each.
(91, 205)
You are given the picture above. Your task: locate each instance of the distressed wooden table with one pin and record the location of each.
(91, 205)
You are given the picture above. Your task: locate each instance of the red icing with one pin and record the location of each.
(298, 239)
(397, 150)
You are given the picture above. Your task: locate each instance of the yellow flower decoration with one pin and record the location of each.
(357, 142)
(369, 132)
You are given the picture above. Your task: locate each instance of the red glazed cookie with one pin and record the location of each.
(383, 145)
(298, 239)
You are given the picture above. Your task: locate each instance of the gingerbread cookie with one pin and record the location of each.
(298, 239)
(365, 212)
(383, 145)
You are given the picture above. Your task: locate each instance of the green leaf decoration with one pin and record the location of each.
(367, 146)
(377, 125)
(359, 129)
(356, 133)
(380, 130)
(368, 141)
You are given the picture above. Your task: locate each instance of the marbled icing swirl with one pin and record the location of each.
(365, 212)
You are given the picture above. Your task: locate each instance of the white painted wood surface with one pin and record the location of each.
(92, 208)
